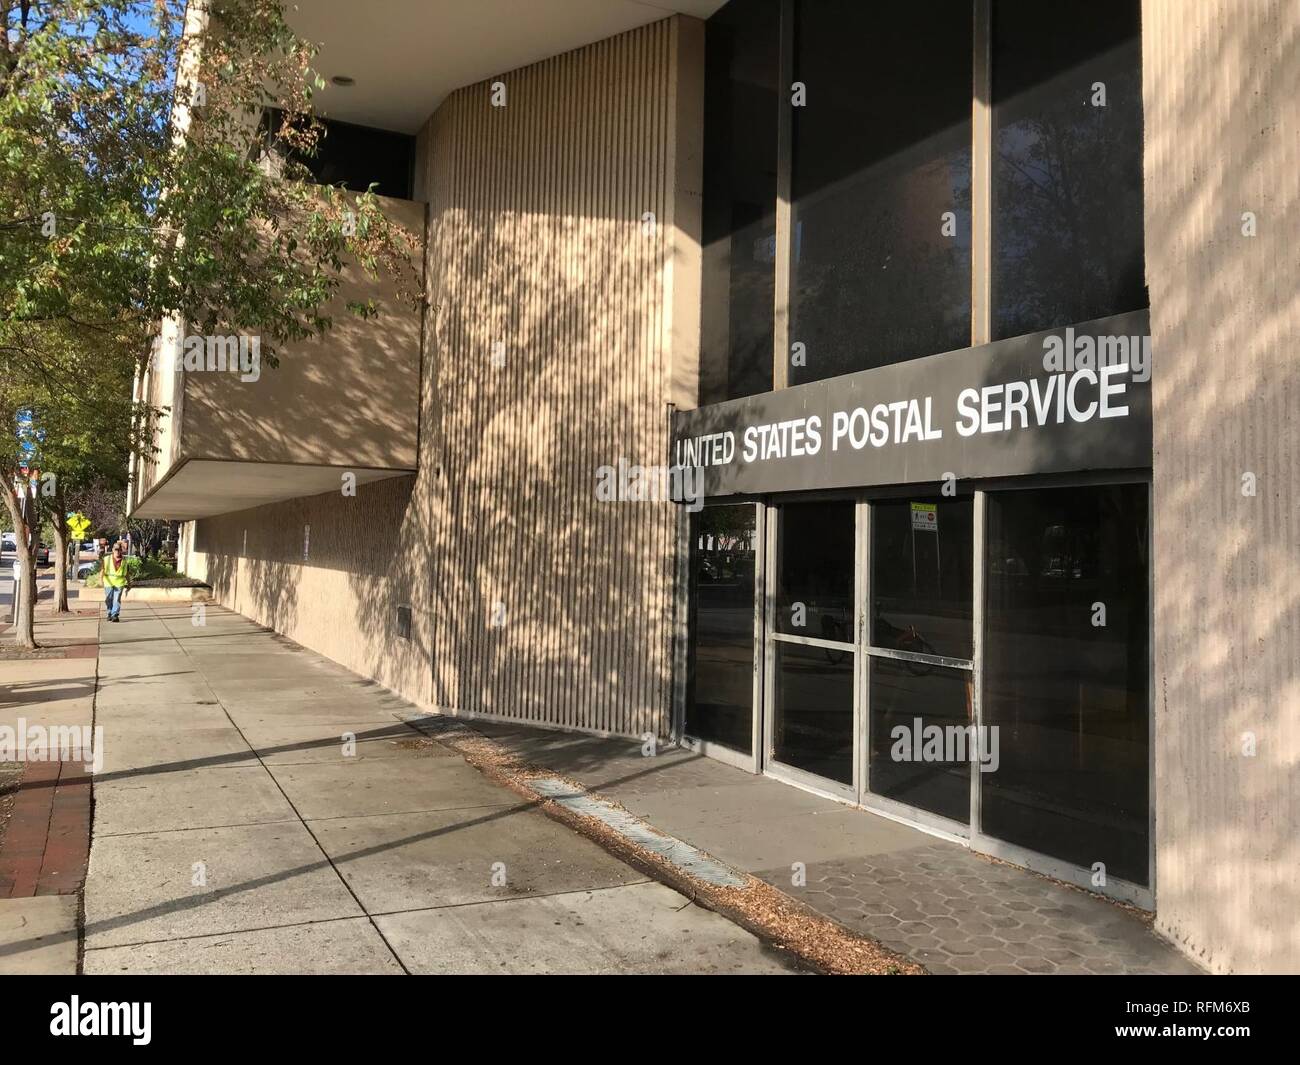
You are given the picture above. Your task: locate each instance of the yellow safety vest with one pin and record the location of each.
(114, 576)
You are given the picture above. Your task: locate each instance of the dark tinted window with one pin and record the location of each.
(355, 156)
(813, 701)
(921, 579)
(814, 570)
(1067, 172)
(739, 223)
(881, 156)
(920, 736)
(720, 693)
(1065, 684)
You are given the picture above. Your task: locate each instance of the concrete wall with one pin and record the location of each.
(531, 599)
(162, 388)
(347, 397)
(1221, 85)
(369, 553)
(159, 386)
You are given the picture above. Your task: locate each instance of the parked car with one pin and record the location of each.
(85, 569)
(42, 552)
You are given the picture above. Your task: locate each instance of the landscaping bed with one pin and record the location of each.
(168, 582)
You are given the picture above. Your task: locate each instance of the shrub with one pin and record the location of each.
(136, 569)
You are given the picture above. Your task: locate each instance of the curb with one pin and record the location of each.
(819, 943)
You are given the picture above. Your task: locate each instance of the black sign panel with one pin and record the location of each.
(1065, 400)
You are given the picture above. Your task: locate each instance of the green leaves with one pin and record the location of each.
(134, 188)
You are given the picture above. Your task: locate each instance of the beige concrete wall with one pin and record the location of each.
(1221, 86)
(368, 554)
(538, 602)
(162, 388)
(347, 397)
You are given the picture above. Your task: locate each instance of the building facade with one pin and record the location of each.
(896, 400)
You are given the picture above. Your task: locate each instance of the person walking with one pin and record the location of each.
(113, 568)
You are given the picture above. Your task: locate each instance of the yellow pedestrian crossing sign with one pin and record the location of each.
(78, 525)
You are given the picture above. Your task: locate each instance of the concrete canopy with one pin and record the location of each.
(405, 56)
(200, 488)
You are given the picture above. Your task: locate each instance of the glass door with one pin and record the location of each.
(811, 724)
(976, 664)
(920, 703)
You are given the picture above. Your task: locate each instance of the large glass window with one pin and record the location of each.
(813, 684)
(921, 586)
(720, 681)
(1066, 674)
(921, 736)
(879, 161)
(921, 712)
(354, 157)
(881, 184)
(739, 223)
(814, 577)
(1067, 163)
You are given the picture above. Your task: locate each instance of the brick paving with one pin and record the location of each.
(46, 844)
(958, 913)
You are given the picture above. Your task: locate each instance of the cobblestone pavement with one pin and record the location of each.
(958, 913)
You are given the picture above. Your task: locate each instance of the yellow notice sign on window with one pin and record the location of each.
(925, 517)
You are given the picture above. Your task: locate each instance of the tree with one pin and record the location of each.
(136, 187)
(105, 506)
(75, 427)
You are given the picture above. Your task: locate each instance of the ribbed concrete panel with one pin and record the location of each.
(1221, 86)
(551, 233)
(562, 269)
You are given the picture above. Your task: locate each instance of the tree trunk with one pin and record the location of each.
(61, 553)
(24, 624)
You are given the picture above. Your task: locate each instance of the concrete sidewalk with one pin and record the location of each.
(933, 901)
(237, 830)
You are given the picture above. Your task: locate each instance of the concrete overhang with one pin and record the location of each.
(405, 56)
(201, 488)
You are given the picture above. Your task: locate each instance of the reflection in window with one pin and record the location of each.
(813, 703)
(911, 704)
(1067, 169)
(739, 223)
(1066, 684)
(814, 572)
(921, 579)
(720, 694)
(881, 184)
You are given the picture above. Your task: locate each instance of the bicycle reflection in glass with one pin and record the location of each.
(886, 634)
